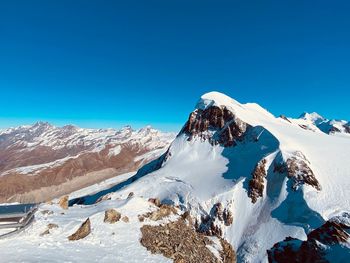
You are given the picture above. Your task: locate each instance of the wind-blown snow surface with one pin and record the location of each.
(196, 175)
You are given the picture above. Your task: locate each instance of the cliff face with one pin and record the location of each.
(324, 244)
(219, 125)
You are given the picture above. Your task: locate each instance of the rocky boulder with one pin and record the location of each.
(83, 231)
(63, 202)
(111, 216)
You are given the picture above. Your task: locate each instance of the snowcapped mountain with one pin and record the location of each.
(276, 178)
(314, 121)
(269, 187)
(41, 161)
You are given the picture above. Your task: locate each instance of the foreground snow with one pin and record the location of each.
(107, 242)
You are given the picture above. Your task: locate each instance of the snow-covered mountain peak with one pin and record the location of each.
(273, 175)
(215, 98)
(42, 124)
(312, 117)
(147, 129)
(314, 121)
(70, 127)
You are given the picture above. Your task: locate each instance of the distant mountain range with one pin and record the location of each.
(314, 121)
(41, 161)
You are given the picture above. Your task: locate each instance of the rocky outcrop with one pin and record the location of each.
(155, 201)
(63, 202)
(104, 198)
(285, 118)
(111, 216)
(162, 212)
(52, 226)
(317, 248)
(180, 242)
(219, 125)
(227, 253)
(304, 127)
(125, 219)
(297, 169)
(256, 184)
(212, 223)
(49, 227)
(330, 233)
(347, 127)
(223, 214)
(83, 231)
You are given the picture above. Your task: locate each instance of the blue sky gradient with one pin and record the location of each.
(112, 63)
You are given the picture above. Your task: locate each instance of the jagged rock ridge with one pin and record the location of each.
(216, 124)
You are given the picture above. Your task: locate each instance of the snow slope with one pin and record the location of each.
(107, 242)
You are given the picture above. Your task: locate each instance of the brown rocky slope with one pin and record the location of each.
(37, 161)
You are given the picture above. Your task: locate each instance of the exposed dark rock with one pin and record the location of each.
(228, 217)
(330, 233)
(217, 124)
(180, 242)
(103, 198)
(125, 219)
(256, 184)
(227, 254)
(279, 167)
(47, 212)
(163, 211)
(297, 168)
(218, 211)
(46, 232)
(111, 216)
(285, 118)
(303, 126)
(334, 130)
(314, 249)
(52, 226)
(63, 202)
(223, 214)
(347, 128)
(187, 217)
(208, 224)
(155, 201)
(83, 231)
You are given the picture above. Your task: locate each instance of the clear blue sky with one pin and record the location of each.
(109, 63)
